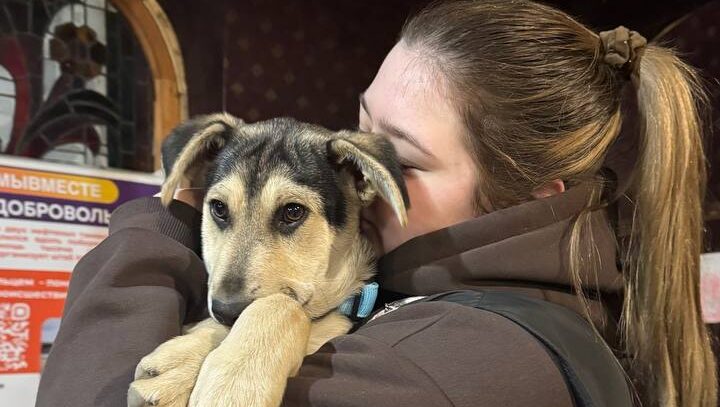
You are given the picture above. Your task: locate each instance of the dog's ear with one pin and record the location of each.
(372, 157)
(190, 146)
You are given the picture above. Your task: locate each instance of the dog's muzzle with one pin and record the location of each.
(228, 313)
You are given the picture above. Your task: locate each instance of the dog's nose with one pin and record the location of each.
(227, 313)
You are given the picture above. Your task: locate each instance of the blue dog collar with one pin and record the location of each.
(360, 305)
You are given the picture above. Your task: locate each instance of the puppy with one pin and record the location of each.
(282, 245)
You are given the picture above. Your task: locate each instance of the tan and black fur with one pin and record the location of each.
(282, 245)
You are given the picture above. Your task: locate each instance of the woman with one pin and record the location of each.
(506, 116)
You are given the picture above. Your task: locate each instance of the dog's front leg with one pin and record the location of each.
(328, 327)
(265, 346)
(166, 376)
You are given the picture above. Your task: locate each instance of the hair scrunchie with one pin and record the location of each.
(623, 49)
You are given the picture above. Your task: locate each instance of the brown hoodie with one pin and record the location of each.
(137, 288)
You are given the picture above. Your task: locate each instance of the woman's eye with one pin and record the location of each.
(407, 167)
(219, 209)
(292, 213)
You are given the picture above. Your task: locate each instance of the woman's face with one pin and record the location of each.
(409, 103)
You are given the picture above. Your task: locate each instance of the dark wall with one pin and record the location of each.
(697, 37)
(310, 58)
(199, 27)
(646, 17)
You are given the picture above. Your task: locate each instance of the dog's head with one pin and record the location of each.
(282, 208)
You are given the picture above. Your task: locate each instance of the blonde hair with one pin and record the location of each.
(540, 104)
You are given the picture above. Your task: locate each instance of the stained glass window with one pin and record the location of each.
(75, 86)
(7, 105)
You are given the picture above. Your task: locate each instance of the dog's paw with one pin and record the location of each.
(162, 391)
(229, 379)
(167, 376)
(250, 367)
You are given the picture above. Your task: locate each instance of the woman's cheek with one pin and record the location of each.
(438, 200)
(435, 203)
(420, 215)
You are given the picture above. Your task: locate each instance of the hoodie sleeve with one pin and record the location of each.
(132, 292)
(431, 354)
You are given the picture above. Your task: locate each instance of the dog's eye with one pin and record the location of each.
(292, 213)
(219, 209)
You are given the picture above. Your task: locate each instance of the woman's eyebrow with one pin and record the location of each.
(394, 131)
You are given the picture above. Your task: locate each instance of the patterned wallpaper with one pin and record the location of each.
(310, 58)
(306, 59)
(697, 38)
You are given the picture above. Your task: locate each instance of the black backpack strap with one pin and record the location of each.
(592, 373)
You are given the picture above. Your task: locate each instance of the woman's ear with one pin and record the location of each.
(548, 189)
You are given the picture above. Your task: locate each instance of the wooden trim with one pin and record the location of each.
(162, 50)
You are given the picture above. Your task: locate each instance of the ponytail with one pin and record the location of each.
(662, 323)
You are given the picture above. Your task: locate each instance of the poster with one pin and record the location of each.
(50, 216)
(710, 287)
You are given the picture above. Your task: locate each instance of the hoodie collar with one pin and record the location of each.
(524, 246)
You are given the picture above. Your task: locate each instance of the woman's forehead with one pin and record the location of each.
(409, 93)
(407, 76)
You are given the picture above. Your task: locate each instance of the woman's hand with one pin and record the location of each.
(191, 196)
